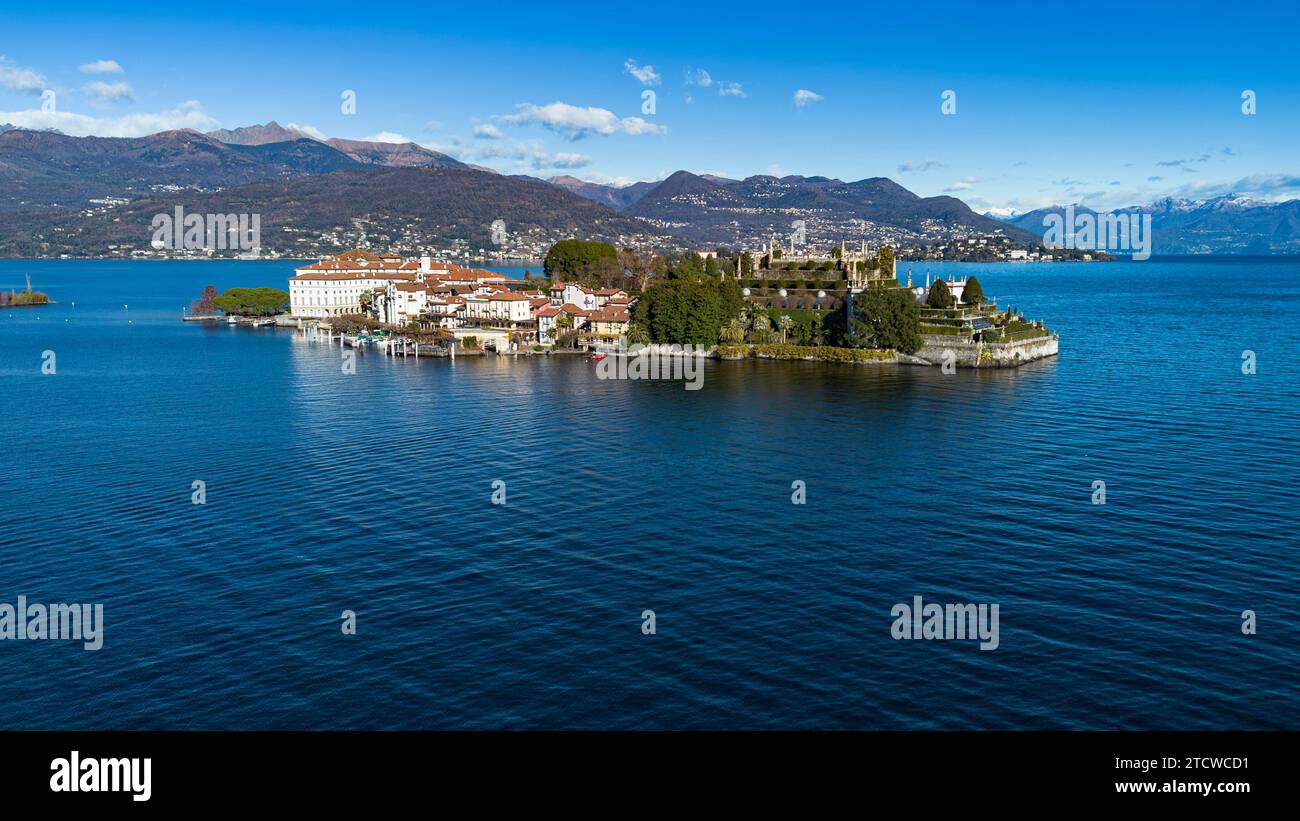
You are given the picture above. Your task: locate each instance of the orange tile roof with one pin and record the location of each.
(610, 314)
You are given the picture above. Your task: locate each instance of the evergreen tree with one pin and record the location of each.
(885, 261)
(939, 296)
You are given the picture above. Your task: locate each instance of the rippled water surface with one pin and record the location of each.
(371, 492)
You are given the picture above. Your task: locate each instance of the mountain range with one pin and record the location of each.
(318, 214)
(78, 195)
(1226, 225)
(392, 155)
(710, 209)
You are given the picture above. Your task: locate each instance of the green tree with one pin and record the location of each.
(733, 333)
(637, 334)
(688, 266)
(252, 301)
(973, 293)
(887, 318)
(575, 260)
(785, 323)
(885, 261)
(689, 311)
(746, 265)
(939, 296)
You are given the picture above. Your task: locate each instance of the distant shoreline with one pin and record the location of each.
(512, 264)
(529, 263)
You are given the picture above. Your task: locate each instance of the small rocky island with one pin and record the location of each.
(24, 298)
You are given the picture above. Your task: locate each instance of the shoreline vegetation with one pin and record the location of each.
(25, 298)
(809, 353)
(246, 302)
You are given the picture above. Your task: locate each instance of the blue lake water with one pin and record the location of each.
(372, 492)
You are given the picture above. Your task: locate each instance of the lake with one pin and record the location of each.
(372, 492)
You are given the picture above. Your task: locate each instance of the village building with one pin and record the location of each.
(608, 324)
(470, 302)
(546, 317)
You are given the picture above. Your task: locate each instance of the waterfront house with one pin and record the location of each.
(577, 314)
(563, 293)
(557, 293)
(608, 324)
(546, 316)
(509, 307)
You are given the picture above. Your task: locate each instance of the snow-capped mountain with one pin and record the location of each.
(1228, 224)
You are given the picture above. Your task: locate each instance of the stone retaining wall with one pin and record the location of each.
(979, 355)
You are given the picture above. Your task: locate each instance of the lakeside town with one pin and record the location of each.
(780, 302)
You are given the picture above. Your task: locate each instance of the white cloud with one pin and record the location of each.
(731, 90)
(963, 184)
(433, 126)
(533, 156)
(645, 74)
(562, 159)
(487, 131)
(386, 137)
(576, 122)
(698, 77)
(101, 93)
(102, 67)
(187, 115)
(511, 156)
(310, 131)
(803, 97)
(20, 78)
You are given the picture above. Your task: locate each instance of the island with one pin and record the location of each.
(841, 304)
(24, 298)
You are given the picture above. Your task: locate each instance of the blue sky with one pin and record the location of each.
(1110, 104)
